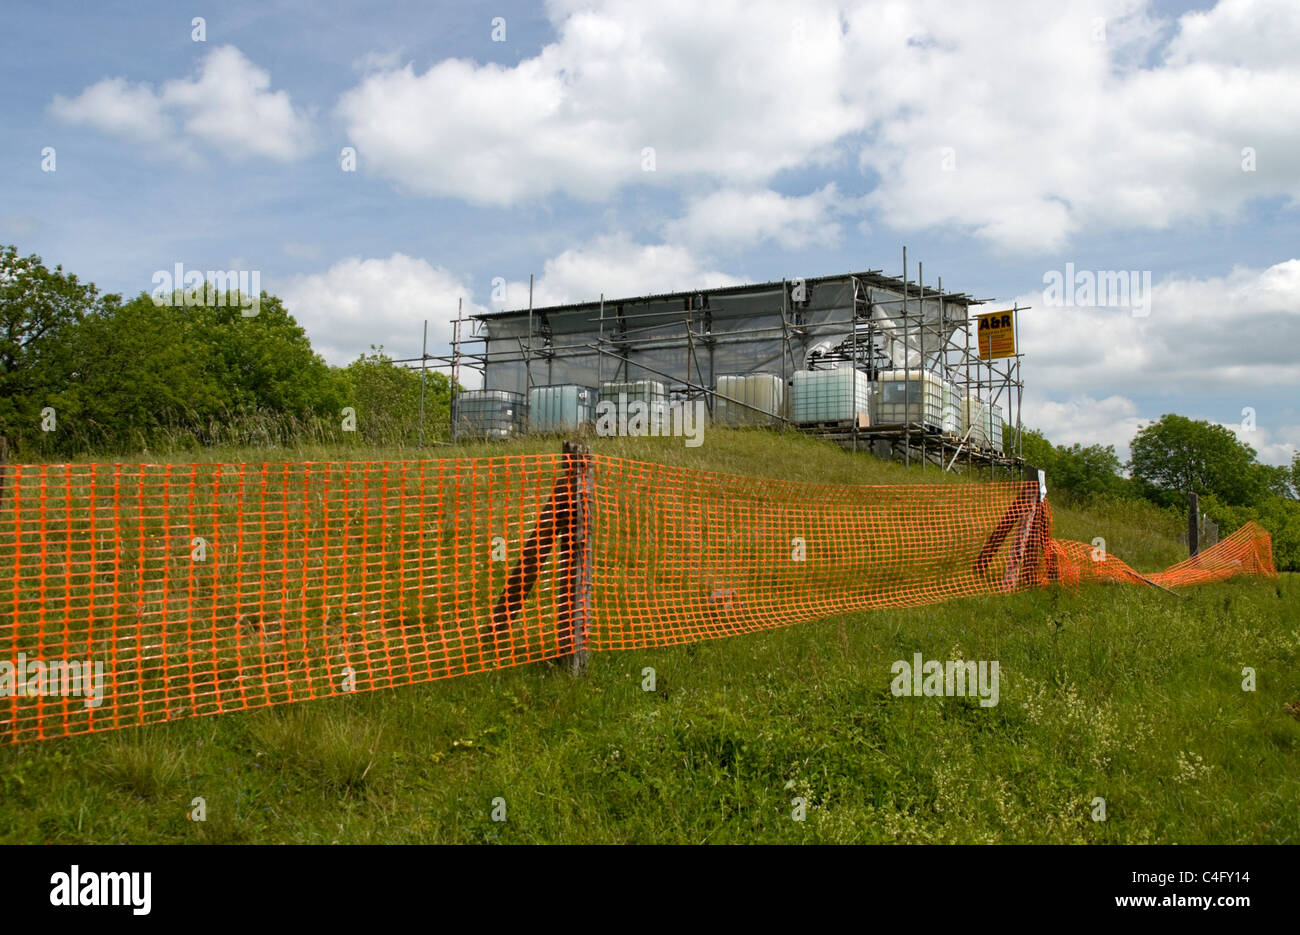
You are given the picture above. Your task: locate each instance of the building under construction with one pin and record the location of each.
(874, 361)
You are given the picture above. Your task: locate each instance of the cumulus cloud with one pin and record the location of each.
(356, 303)
(1078, 133)
(1271, 446)
(116, 106)
(1085, 420)
(1235, 333)
(1237, 33)
(1089, 115)
(618, 267)
(716, 90)
(1227, 338)
(737, 219)
(1114, 420)
(228, 106)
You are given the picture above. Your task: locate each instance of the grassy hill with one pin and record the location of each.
(1128, 694)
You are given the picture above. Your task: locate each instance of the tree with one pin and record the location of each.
(1275, 479)
(1177, 455)
(265, 362)
(1089, 470)
(39, 308)
(136, 374)
(386, 397)
(144, 374)
(1080, 470)
(1035, 449)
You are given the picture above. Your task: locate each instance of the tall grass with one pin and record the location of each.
(1121, 693)
(1115, 692)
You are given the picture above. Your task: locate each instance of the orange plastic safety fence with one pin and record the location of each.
(132, 594)
(683, 555)
(1248, 551)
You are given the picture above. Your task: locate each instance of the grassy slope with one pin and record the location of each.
(1120, 692)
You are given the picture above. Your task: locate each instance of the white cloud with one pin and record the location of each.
(1114, 420)
(1230, 334)
(1240, 33)
(618, 267)
(116, 106)
(357, 303)
(1271, 447)
(717, 90)
(1054, 133)
(1230, 339)
(738, 219)
(1085, 420)
(1050, 132)
(228, 106)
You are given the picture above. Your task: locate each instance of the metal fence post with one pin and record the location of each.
(1193, 523)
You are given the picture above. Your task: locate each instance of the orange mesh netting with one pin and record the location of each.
(132, 594)
(216, 587)
(1248, 551)
(683, 555)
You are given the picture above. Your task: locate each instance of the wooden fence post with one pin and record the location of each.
(578, 550)
(563, 526)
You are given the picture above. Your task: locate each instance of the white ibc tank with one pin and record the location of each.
(974, 419)
(914, 396)
(560, 408)
(762, 396)
(839, 395)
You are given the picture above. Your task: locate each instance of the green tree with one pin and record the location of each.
(136, 375)
(1082, 471)
(1035, 449)
(1177, 455)
(1275, 479)
(386, 397)
(265, 362)
(39, 309)
(145, 373)
(1089, 470)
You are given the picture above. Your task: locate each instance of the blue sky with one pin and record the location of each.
(999, 142)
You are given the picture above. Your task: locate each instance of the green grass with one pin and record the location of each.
(1126, 693)
(1141, 534)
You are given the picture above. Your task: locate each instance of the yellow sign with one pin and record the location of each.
(997, 334)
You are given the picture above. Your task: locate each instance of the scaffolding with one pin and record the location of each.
(868, 321)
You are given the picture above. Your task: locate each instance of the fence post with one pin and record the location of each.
(1193, 523)
(563, 529)
(1020, 511)
(4, 460)
(1024, 558)
(578, 570)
